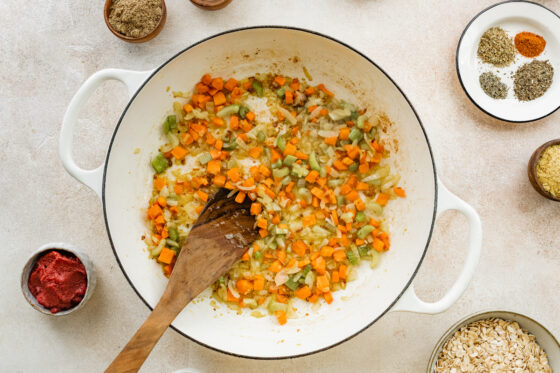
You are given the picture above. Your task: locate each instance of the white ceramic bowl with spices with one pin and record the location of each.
(30, 265)
(513, 17)
(544, 337)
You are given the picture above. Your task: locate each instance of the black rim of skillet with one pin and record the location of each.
(459, 72)
(367, 59)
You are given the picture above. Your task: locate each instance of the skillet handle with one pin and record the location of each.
(410, 301)
(91, 178)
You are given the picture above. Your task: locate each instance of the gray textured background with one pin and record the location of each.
(47, 50)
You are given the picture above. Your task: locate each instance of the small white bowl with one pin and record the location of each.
(513, 17)
(544, 337)
(28, 267)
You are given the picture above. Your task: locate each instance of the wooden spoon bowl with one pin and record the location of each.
(532, 170)
(150, 36)
(211, 4)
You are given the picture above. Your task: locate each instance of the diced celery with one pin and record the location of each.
(360, 216)
(354, 115)
(364, 231)
(204, 158)
(361, 121)
(304, 273)
(228, 110)
(280, 92)
(323, 172)
(257, 86)
(274, 306)
(257, 255)
(173, 234)
(352, 258)
(289, 160)
(261, 137)
(243, 110)
(353, 167)
(363, 250)
(291, 284)
(169, 123)
(281, 143)
(340, 200)
(230, 146)
(355, 135)
(299, 170)
(222, 280)
(277, 164)
(313, 162)
(160, 163)
(280, 172)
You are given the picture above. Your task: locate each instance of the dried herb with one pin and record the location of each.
(135, 18)
(532, 80)
(496, 47)
(493, 86)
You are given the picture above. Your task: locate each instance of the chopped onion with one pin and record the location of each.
(287, 115)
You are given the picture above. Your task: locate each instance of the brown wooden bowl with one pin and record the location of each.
(532, 170)
(211, 4)
(129, 39)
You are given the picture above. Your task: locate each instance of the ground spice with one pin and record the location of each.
(496, 47)
(532, 80)
(135, 18)
(529, 44)
(492, 85)
(548, 170)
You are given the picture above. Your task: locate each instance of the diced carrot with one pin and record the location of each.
(342, 271)
(281, 317)
(281, 255)
(160, 183)
(179, 189)
(328, 297)
(166, 256)
(331, 140)
(303, 293)
(322, 87)
(258, 282)
(256, 208)
(154, 211)
(255, 152)
(199, 209)
(363, 168)
(309, 220)
(345, 189)
(335, 277)
(290, 149)
(234, 122)
(289, 97)
(201, 88)
(344, 133)
(231, 84)
(219, 180)
(299, 247)
(219, 99)
(353, 195)
(399, 192)
(250, 116)
(382, 199)
(275, 267)
(245, 256)
(231, 297)
(162, 201)
(317, 192)
(323, 283)
(347, 161)
(240, 197)
(360, 205)
(217, 83)
(339, 255)
(339, 165)
(202, 195)
(206, 79)
(234, 174)
(319, 265)
(244, 286)
(160, 220)
(323, 112)
(262, 223)
(294, 85)
(188, 108)
(214, 167)
(327, 251)
(280, 80)
(263, 233)
(312, 176)
(378, 244)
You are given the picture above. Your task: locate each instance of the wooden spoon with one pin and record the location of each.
(218, 238)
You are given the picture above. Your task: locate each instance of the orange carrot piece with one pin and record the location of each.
(214, 167)
(299, 247)
(219, 98)
(281, 317)
(202, 195)
(319, 265)
(344, 133)
(399, 192)
(231, 84)
(382, 199)
(378, 244)
(256, 208)
(243, 286)
(303, 293)
(250, 116)
(234, 122)
(327, 251)
(217, 83)
(179, 152)
(234, 174)
(328, 297)
(289, 97)
(309, 220)
(275, 267)
(240, 197)
(339, 255)
(342, 272)
(262, 223)
(255, 152)
(322, 283)
(331, 140)
(166, 256)
(258, 282)
(280, 80)
(312, 176)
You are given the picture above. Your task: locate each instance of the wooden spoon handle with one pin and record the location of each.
(136, 351)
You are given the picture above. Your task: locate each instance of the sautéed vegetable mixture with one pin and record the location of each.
(314, 167)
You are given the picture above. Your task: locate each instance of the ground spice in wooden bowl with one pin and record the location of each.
(548, 170)
(135, 18)
(529, 44)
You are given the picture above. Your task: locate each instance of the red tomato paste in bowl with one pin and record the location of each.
(58, 280)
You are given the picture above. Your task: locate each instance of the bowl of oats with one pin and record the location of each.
(496, 341)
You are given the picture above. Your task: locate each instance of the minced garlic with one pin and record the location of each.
(548, 170)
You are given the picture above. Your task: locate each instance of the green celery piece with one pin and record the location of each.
(205, 158)
(228, 110)
(257, 255)
(277, 164)
(243, 110)
(355, 135)
(352, 258)
(160, 163)
(313, 162)
(340, 200)
(280, 172)
(281, 143)
(261, 137)
(257, 86)
(361, 121)
(364, 231)
(360, 216)
(353, 167)
(280, 92)
(363, 250)
(291, 284)
(289, 160)
(174, 234)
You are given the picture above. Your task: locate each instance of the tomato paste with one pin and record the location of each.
(58, 281)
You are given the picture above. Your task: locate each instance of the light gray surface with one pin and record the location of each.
(48, 50)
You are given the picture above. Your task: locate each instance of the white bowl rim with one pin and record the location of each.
(459, 73)
(292, 28)
(487, 313)
(32, 259)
